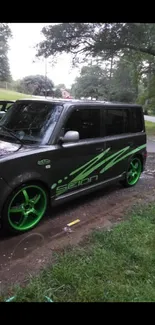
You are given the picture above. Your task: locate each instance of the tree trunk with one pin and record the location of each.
(110, 78)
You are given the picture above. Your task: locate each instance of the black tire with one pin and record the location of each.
(24, 208)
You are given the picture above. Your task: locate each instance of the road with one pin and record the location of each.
(149, 118)
(151, 140)
(151, 145)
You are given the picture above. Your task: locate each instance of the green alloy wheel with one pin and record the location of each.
(26, 207)
(133, 173)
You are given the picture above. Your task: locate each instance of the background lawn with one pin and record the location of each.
(8, 94)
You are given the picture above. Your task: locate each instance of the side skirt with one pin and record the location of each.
(84, 191)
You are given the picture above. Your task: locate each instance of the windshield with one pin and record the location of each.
(31, 121)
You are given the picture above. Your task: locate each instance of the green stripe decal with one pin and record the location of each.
(94, 164)
(115, 161)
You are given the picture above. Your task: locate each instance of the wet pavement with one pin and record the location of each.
(151, 144)
(149, 118)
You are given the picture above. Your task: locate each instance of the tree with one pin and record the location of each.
(147, 83)
(134, 42)
(92, 82)
(36, 85)
(96, 39)
(5, 35)
(57, 93)
(123, 84)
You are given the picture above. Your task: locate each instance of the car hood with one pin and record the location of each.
(7, 148)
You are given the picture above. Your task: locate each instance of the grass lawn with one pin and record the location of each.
(116, 265)
(150, 128)
(8, 94)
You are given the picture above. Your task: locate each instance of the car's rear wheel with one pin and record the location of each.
(24, 208)
(133, 173)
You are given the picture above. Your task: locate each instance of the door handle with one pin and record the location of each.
(99, 149)
(130, 144)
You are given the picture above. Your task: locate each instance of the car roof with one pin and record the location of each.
(78, 102)
(6, 101)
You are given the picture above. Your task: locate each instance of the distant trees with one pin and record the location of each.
(58, 90)
(36, 85)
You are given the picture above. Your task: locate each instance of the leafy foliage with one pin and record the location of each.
(35, 85)
(133, 44)
(57, 93)
(93, 82)
(97, 38)
(5, 34)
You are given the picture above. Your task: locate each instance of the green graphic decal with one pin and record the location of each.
(44, 162)
(88, 168)
(64, 188)
(115, 160)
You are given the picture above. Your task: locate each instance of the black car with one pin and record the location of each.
(4, 106)
(53, 151)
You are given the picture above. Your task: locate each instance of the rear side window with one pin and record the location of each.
(117, 121)
(9, 105)
(137, 120)
(86, 121)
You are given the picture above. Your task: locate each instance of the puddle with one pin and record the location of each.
(26, 245)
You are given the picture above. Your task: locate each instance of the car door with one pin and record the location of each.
(118, 140)
(77, 164)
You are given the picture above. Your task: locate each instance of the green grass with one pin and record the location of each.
(150, 128)
(8, 94)
(116, 265)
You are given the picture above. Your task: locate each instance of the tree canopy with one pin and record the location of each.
(92, 82)
(132, 44)
(97, 39)
(36, 85)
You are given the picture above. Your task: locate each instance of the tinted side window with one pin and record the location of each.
(86, 121)
(2, 106)
(137, 118)
(117, 121)
(9, 105)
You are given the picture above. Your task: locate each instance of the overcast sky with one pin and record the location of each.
(22, 54)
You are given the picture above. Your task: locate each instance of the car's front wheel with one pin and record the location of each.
(24, 208)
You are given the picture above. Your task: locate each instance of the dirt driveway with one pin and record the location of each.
(26, 254)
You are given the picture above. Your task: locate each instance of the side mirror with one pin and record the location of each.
(71, 136)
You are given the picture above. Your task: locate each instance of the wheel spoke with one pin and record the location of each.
(36, 199)
(23, 221)
(133, 166)
(26, 216)
(31, 211)
(130, 173)
(25, 196)
(136, 166)
(35, 212)
(16, 209)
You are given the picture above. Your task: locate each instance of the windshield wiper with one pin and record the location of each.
(11, 133)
